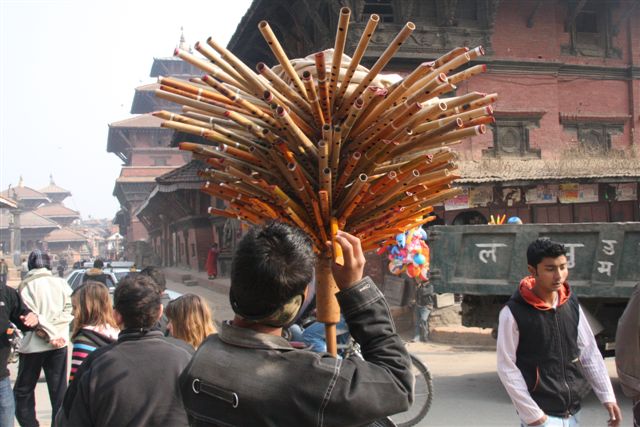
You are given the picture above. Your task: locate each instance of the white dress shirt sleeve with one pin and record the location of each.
(511, 377)
(593, 367)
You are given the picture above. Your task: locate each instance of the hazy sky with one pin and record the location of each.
(68, 68)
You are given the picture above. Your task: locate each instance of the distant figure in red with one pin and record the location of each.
(212, 261)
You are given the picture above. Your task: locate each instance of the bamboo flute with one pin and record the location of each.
(280, 87)
(203, 65)
(336, 143)
(208, 134)
(380, 185)
(372, 23)
(251, 108)
(356, 186)
(325, 184)
(323, 196)
(427, 136)
(202, 106)
(211, 120)
(295, 131)
(465, 116)
(277, 50)
(393, 95)
(348, 210)
(338, 257)
(386, 56)
(356, 110)
(450, 138)
(255, 86)
(323, 158)
(199, 98)
(489, 99)
(352, 161)
(314, 101)
(467, 74)
(323, 85)
(299, 121)
(236, 78)
(338, 49)
(486, 120)
(186, 87)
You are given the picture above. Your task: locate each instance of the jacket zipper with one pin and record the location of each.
(564, 372)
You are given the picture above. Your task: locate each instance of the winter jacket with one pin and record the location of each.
(133, 382)
(241, 377)
(50, 298)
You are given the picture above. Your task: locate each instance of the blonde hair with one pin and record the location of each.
(91, 307)
(190, 318)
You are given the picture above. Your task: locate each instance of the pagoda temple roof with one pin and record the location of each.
(24, 193)
(28, 219)
(64, 235)
(56, 210)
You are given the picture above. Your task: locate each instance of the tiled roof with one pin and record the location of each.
(144, 171)
(6, 202)
(186, 173)
(64, 235)
(24, 193)
(56, 210)
(503, 170)
(54, 189)
(28, 219)
(139, 121)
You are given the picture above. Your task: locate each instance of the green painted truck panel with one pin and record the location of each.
(604, 258)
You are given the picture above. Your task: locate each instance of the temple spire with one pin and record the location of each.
(183, 43)
(21, 182)
(51, 179)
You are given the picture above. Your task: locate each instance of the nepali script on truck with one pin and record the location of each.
(485, 263)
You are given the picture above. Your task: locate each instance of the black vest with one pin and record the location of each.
(548, 355)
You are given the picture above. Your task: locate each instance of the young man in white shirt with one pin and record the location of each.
(547, 354)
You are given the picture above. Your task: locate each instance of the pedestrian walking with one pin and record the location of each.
(190, 319)
(93, 324)
(133, 382)
(212, 261)
(4, 272)
(423, 308)
(12, 312)
(546, 353)
(628, 352)
(249, 375)
(49, 297)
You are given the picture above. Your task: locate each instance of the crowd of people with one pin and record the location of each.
(141, 359)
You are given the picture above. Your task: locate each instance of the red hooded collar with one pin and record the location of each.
(526, 291)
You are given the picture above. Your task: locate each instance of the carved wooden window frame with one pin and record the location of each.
(518, 125)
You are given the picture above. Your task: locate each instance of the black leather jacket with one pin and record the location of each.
(240, 377)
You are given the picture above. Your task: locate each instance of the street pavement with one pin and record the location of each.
(467, 391)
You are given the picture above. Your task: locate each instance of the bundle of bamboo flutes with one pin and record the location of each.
(328, 147)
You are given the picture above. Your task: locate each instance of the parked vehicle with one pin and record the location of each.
(485, 263)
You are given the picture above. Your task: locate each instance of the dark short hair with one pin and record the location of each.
(98, 263)
(138, 301)
(39, 259)
(544, 248)
(271, 265)
(156, 275)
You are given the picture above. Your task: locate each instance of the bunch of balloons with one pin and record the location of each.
(409, 254)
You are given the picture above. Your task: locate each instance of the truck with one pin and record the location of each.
(485, 263)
